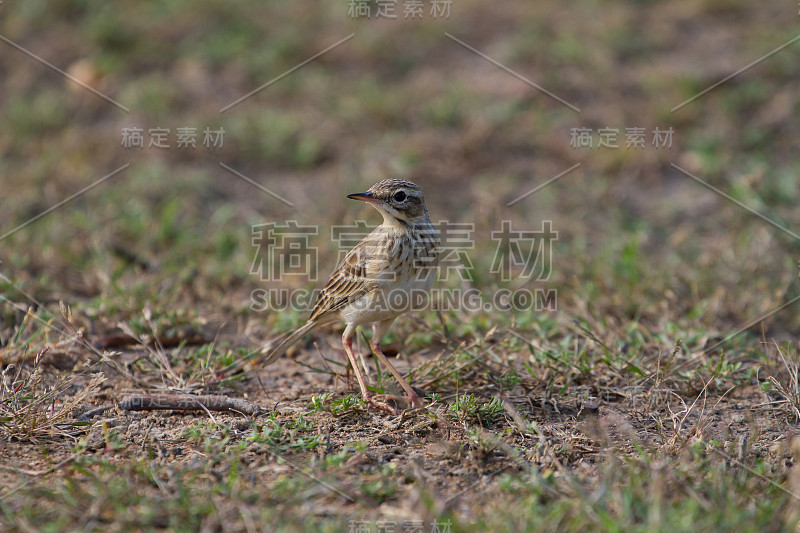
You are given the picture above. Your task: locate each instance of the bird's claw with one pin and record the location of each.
(383, 406)
(414, 401)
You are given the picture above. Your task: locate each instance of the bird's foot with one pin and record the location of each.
(383, 406)
(414, 399)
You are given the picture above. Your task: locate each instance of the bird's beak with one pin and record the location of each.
(365, 197)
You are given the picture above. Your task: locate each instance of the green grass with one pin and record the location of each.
(623, 410)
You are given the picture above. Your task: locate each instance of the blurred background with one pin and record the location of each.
(640, 242)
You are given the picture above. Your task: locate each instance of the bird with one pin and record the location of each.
(388, 273)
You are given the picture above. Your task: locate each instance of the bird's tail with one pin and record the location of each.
(273, 353)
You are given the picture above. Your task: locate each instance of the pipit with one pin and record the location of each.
(388, 273)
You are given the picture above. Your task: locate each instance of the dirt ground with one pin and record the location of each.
(661, 393)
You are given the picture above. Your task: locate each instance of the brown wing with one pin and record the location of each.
(348, 282)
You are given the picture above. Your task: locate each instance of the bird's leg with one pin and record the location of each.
(364, 365)
(378, 330)
(347, 342)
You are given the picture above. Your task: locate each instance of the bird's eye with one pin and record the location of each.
(399, 196)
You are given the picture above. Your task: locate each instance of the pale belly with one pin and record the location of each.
(389, 301)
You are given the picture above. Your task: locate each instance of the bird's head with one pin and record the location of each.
(399, 199)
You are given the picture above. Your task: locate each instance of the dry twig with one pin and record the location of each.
(174, 402)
